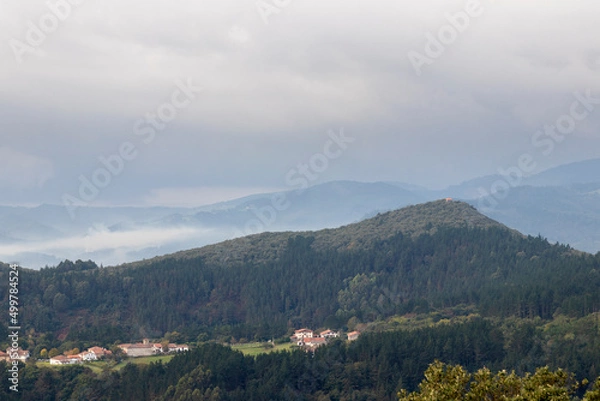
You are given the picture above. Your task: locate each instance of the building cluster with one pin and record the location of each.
(11, 354)
(92, 354)
(310, 340)
(145, 348)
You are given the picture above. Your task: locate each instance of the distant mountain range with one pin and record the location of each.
(562, 204)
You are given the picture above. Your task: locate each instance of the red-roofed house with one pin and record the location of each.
(303, 333)
(353, 335)
(178, 348)
(329, 334)
(140, 349)
(66, 360)
(19, 354)
(98, 352)
(313, 343)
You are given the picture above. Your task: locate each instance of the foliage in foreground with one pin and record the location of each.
(452, 383)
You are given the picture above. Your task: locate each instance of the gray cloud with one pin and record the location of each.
(272, 91)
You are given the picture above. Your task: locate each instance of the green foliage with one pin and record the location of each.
(306, 287)
(443, 382)
(535, 304)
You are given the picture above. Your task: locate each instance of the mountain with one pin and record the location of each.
(412, 220)
(430, 256)
(583, 172)
(566, 211)
(46, 234)
(437, 280)
(562, 214)
(567, 175)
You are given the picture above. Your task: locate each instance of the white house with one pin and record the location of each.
(19, 354)
(66, 360)
(98, 353)
(178, 348)
(329, 334)
(312, 343)
(87, 356)
(303, 333)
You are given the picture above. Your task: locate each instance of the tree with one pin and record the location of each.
(53, 352)
(443, 382)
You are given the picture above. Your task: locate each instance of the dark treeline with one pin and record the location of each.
(500, 273)
(375, 367)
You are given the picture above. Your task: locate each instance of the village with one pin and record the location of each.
(304, 338)
(143, 349)
(310, 341)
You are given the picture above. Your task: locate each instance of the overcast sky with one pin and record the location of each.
(280, 79)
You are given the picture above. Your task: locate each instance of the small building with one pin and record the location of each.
(58, 360)
(178, 347)
(303, 333)
(98, 353)
(313, 343)
(66, 359)
(87, 356)
(329, 334)
(352, 336)
(139, 349)
(18, 354)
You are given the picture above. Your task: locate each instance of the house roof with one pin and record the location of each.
(98, 350)
(141, 346)
(354, 333)
(304, 331)
(315, 340)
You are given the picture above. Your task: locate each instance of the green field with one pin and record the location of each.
(100, 366)
(146, 360)
(254, 349)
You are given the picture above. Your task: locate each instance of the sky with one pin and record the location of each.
(181, 103)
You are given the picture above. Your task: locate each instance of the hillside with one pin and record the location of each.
(426, 257)
(413, 221)
(562, 214)
(432, 281)
(566, 212)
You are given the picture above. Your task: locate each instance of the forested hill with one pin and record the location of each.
(430, 257)
(414, 220)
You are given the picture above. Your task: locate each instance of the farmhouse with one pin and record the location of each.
(139, 349)
(19, 354)
(178, 348)
(303, 333)
(329, 334)
(147, 349)
(96, 353)
(353, 335)
(66, 359)
(312, 343)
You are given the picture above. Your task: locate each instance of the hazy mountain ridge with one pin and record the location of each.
(568, 213)
(412, 221)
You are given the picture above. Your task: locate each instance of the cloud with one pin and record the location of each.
(271, 90)
(23, 171)
(99, 239)
(194, 197)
